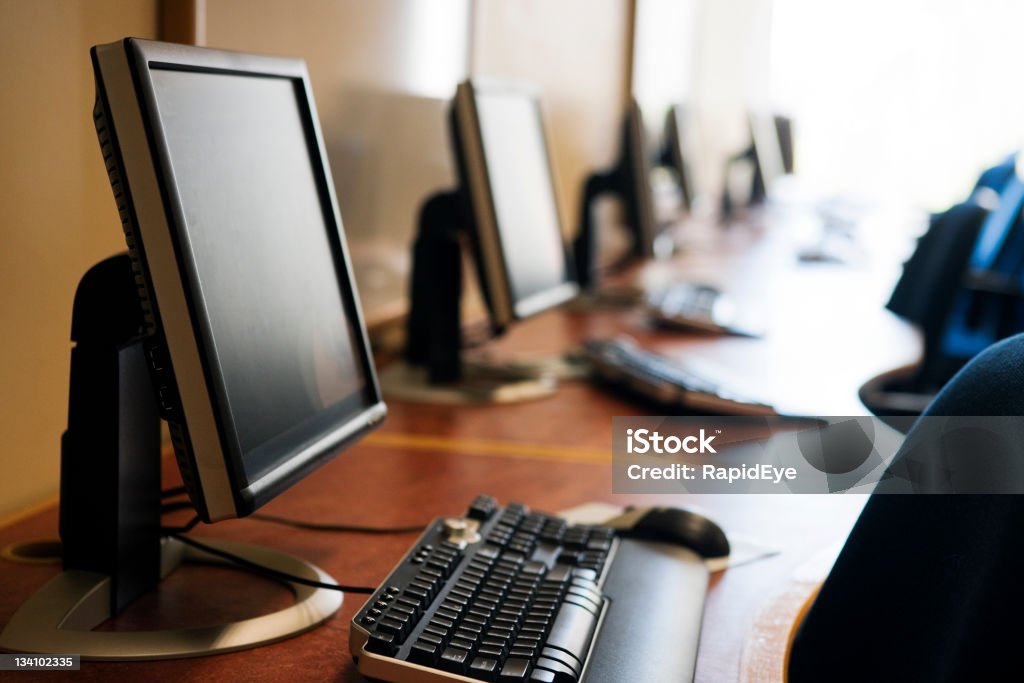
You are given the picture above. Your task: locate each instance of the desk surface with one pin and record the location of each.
(551, 454)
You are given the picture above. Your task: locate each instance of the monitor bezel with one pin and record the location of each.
(767, 146)
(678, 122)
(639, 163)
(475, 181)
(218, 474)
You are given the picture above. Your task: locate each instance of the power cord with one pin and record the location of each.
(189, 526)
(174, 506)
(338, 528)
(178, 533)
(267, 571)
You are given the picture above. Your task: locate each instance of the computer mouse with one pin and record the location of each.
(673, 525)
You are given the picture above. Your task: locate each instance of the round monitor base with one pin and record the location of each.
(58, 619)
(480, 384)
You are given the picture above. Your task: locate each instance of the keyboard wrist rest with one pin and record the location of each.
(651, 627)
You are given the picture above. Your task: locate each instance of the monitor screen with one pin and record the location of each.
(637, 164)
(284, 357)
(679, 146)
(767, 149)
(524, 196)
(505, 172)
(232, 222)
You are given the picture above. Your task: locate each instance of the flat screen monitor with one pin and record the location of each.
(218, 167)
(679, 151)
(768, 153)
(635, 165)
(506, 174)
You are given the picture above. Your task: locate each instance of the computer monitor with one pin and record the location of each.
(240, 250)
(252, 326)
(506, 204)
(678, 151)
(630, 181)
(505, 172)
(769, 160)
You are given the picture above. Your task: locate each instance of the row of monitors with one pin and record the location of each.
(218, 166)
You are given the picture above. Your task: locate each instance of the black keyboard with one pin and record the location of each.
(513, 595)
(621, 361)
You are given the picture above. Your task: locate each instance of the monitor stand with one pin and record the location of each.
(434, 370)
(112, 544)
(595, 294)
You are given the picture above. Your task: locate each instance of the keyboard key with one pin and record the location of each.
(462, 643)
(560, 573)
(482, 508)
(535, 568)
(515, 669)
(423, 652)
(454, 659)
(390, 625)
(483, 668)
(488, 553)
(491, 651)
(381, 643)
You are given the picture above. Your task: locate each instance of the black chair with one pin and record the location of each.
(924, 295)
(928, 587)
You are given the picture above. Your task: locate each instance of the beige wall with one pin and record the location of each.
(578, 52)
(57, 217)
(382, 73)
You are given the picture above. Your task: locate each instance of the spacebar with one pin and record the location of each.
(570, 636)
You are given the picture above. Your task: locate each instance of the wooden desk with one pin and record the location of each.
(552, 454)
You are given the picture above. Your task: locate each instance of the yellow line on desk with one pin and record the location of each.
(487, 447)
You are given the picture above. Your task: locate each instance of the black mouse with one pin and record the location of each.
(674, 525)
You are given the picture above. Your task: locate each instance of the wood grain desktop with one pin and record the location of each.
(828, 335)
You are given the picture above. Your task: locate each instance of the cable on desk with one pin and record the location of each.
(339, 528)
(172, 492)
(267, 571)
(174, 507)
(309, 526)
(174, 530)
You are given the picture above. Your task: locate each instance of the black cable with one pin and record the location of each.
(298, 523)
(175, 530)
(339, 528)
(267, 571)
(172, 492)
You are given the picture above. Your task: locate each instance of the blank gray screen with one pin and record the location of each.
(283, 345)
(524, 196)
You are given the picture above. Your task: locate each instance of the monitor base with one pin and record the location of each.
(567, 366)
(60, 616)
(608, 298)
(479, 384)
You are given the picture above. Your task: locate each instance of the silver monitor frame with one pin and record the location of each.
(153, 219)
(491, 263)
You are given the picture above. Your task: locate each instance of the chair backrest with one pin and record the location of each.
(928, 587)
